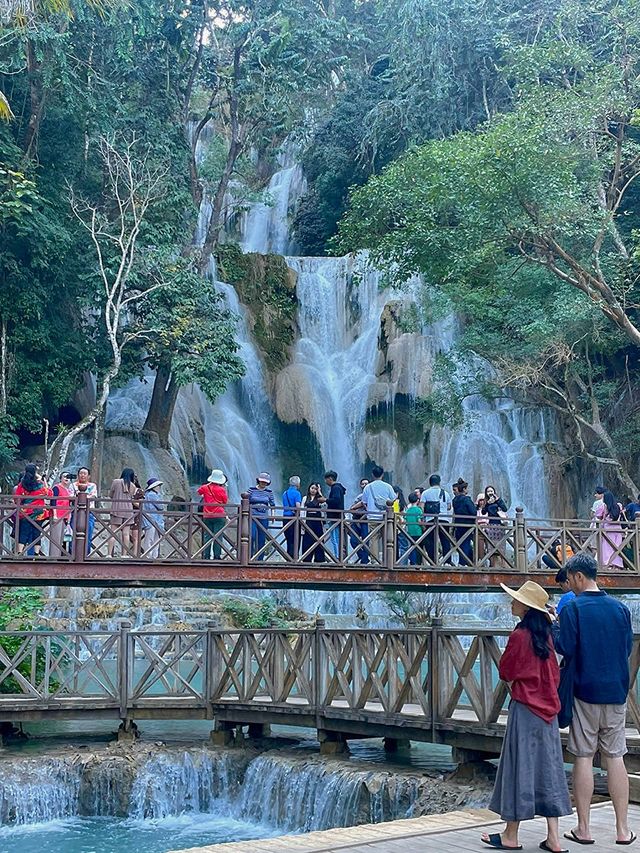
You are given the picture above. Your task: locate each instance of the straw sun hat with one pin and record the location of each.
(530, 594)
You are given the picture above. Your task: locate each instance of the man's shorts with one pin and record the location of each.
(597, 727)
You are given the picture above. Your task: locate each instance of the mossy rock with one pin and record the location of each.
(400, 419)
(267, 287)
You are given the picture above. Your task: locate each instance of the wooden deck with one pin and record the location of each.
(447, 833)
(374, 554)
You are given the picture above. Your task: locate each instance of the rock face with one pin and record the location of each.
(147, 460)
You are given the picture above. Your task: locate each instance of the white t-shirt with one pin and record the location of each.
(377, 492)
(437, 493)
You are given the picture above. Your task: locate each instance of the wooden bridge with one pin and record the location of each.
(179, 547)
(438, 684)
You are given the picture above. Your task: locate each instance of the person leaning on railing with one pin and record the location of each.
(32, 494)
(60, 514)
(214, 500)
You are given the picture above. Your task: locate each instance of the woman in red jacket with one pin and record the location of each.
(214, 513)
(31, 496)
(531, 779)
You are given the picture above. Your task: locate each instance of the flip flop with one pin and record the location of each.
(630, 840)
(495, 841)
(544, 845)
(571, 836)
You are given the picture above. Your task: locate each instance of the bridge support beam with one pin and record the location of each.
(128, 731)
(332, 743)
(259, 730)
(223, 734)
(395, 744)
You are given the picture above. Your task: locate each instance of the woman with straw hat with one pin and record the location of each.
(531, 779)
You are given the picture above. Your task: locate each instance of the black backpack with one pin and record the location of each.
(433, 507)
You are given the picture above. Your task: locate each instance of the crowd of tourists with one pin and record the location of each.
(588, 693)
(431, 523)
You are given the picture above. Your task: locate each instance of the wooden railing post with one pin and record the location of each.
(434, 675)
(80, 524)
(520, 541)
(124, 676)
(318, 670)
(389, 538)
(244, 530)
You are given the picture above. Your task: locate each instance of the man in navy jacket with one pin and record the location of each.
(595, 630)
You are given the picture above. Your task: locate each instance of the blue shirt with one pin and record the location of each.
(564, 600)
(289, 500)
(260, 500)
(595, 628)
(631, 510)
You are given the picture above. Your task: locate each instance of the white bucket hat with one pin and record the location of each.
(264, 478)
(217, 476)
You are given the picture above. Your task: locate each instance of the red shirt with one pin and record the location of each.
(534, 682)
(214, 499)
(32, 503)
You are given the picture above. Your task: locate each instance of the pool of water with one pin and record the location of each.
(113, 835)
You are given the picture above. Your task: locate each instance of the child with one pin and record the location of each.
(413, 521)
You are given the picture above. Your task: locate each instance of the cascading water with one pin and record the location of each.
(332, 365)
(343, 366)
(153, 799)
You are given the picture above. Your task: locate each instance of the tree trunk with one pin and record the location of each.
(36, 102)
(97, 448)
(216, 223)
(162, 406)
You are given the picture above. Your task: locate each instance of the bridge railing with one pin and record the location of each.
(438, 677)
(86, 529)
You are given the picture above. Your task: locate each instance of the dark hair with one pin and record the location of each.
(434, 480)
(29, 481)
(129, 476)
(413, 498)
(539, 626)
(84, 468)
(332, 475)
(486, 489)
(309, 497)
(562, 576)
(401, 499)
(583, 563)
(377, 472)
(599, 490)
(612, 505)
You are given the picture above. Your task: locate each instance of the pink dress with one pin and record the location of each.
(609, 539)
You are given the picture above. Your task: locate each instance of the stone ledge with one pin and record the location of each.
(335, 839)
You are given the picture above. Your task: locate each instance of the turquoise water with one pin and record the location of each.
(112, 835)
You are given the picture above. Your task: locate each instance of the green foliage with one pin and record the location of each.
(193, 331)
(413, 608)
(262, 614)
(267, 287)
(19, 608)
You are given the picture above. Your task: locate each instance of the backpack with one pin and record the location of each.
(433, 507)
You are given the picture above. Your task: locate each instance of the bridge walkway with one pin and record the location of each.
(447, 833)
(285, 551)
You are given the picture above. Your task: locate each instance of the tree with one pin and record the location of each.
(254, 71)
(114, 223)
(194, 341)
(543, 188)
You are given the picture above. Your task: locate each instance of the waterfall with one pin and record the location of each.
(38, 791)
(334, 358)
(307, 795)
(284, 792)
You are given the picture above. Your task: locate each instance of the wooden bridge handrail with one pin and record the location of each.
(436, 678)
